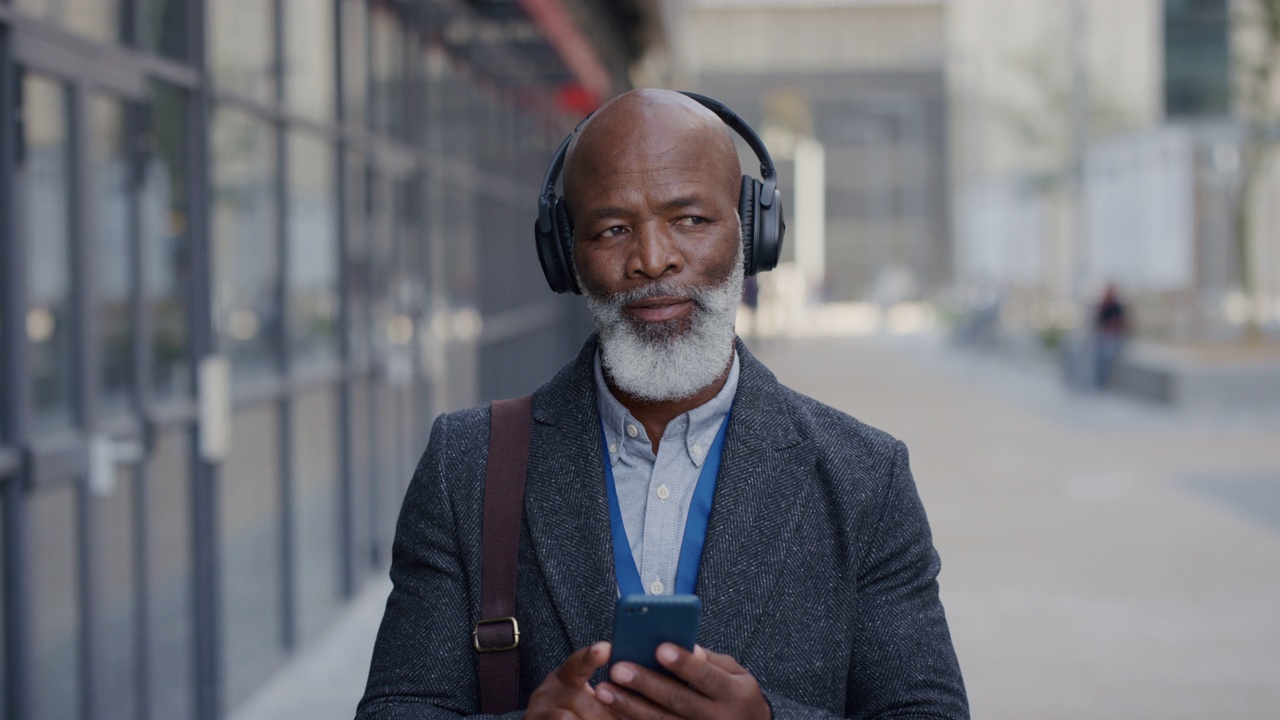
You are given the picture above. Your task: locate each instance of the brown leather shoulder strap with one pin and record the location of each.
(497, 636)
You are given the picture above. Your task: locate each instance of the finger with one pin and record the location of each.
(696, 669)
(601, 714)
(576, 670)
(587, 707)
(627, 705)
(574, 704)
(724, 662)
(673, 696)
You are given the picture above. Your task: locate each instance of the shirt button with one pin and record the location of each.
(663, 492)
(697, 449)
(656, 588)
(632, 431)
(613, 447)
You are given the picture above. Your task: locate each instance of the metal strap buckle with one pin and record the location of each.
(515, 635)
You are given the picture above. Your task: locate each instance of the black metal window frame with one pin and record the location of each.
(35, 463)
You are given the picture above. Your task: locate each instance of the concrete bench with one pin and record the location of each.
(1200, 377)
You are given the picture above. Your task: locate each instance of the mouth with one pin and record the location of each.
(658, 309)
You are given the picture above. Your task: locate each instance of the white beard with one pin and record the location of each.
(675, 359)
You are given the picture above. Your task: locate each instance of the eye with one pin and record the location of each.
(612, 232)
(692, 221)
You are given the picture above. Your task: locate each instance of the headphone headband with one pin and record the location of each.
(759, 207)
(767, 171)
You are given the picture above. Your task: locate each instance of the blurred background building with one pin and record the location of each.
(249, 249)
(851, 99)
(1112, 142)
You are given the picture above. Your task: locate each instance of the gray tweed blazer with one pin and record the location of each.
(818, 573)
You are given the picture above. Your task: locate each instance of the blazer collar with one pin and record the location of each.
(566, 502)
(760, 495)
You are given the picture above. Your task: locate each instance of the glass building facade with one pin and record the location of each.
(332, 200)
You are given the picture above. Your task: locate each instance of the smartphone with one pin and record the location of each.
(643, 622)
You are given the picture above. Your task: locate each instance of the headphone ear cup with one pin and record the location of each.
(549, 232)
(770, 227)
(563, 228)
(747, 217)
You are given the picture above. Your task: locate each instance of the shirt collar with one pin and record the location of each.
(694, 430)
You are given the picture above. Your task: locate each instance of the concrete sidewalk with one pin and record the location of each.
(1102, 558)
(325, 680)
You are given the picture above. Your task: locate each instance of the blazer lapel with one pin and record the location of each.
(758, 495)
(566, 505)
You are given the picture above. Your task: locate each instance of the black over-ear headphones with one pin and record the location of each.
(759, 208)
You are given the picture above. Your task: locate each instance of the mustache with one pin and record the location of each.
(658, 288)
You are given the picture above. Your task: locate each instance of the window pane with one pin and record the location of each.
(112, 259)
(435, 72)
(46, 215)
(356, 260)
(239, 39)
(95, 19)
(316, 540)
(412, 406)
(115, 582)
(249, 532)
(380, 228)
(169, 575)
(456, 96)
(55, 607)
(162, 27)
(392, 479)
(244, 238)
(313, 250)
(362, 498)
(165, 246)
(396, 290)
(355, 21)
(309, 58)
(387, 49)
(460, 245)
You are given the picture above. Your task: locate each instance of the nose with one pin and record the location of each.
(654, 252)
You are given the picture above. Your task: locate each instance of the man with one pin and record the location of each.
(818, 574)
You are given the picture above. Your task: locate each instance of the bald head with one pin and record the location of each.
(649, 129)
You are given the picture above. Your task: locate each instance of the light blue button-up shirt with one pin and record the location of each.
(654, 492)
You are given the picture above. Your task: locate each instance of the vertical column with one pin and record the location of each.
(13, 395)
(346, 459)
(288, 584)
(137, 136)
(811, 212)
(84, 385)
(204, 476)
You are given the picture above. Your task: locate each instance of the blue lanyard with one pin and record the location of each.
(695, 525)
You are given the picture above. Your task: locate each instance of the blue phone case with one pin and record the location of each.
(642, 622)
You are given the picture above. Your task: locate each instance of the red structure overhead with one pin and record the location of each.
(557, 26)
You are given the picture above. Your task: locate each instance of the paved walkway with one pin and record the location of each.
(1101, 558)
(326, 679)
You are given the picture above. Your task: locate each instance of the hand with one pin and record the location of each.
(567, 693)
(715, 686)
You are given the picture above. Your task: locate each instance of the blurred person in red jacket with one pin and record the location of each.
(1110, 330)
